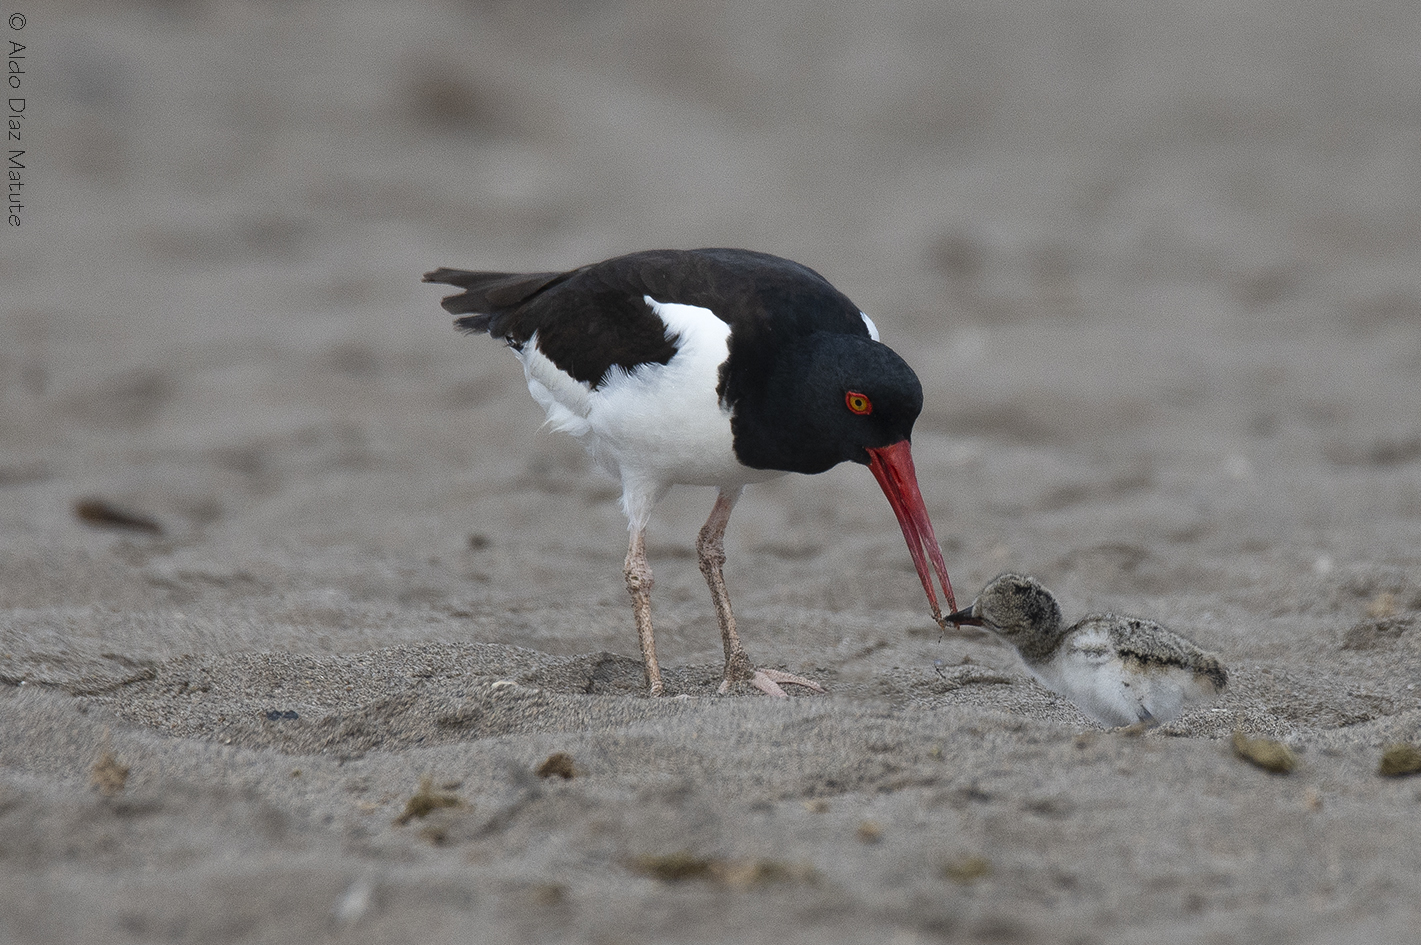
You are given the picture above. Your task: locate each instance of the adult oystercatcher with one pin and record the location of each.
(712, 367)
(1118, 670)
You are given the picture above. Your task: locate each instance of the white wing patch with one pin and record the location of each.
(868, 323)
(566, 400)
(697, 332)
(654, 425)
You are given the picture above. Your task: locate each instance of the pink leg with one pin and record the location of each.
(639, 581)
(710, 550)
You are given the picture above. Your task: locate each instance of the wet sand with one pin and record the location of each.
(1154, 264)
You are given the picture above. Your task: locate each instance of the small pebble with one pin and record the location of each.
(967, 869)
(1265, 753)
(108, 774)
(1399, 759)
(1383, 605)
(558, 764)
(426, 800)
(102, 513)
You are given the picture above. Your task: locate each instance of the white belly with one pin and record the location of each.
(1116, 691)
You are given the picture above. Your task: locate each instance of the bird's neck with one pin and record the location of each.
(1038, 645)
(772, 421)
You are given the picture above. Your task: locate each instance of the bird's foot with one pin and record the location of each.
(768, 681)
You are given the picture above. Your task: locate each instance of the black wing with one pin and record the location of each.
(590, 319)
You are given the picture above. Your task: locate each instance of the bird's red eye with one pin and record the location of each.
(858, 403)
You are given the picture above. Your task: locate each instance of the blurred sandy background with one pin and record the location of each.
(1155, 263)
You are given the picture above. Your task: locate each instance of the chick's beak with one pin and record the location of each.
(965, 617)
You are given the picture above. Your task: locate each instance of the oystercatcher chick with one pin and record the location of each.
(1118, 670)
(711, 367)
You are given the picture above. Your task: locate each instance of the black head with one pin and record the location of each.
(830, 398)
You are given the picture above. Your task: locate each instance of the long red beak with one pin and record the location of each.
(893, 468)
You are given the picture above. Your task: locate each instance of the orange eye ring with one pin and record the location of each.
(858, 403)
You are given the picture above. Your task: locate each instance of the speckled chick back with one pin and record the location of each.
(1151, 645)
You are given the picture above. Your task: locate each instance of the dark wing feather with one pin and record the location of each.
(591, 319)
(587, 320)
(488, 295)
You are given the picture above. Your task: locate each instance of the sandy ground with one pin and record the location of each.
(1154, 262)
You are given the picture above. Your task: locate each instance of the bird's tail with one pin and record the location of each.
(489, 298)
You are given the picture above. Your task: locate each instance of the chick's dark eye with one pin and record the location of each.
(858, 403)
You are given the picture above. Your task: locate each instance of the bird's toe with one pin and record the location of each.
(790, 679)
(772, 681)
(763, 682)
